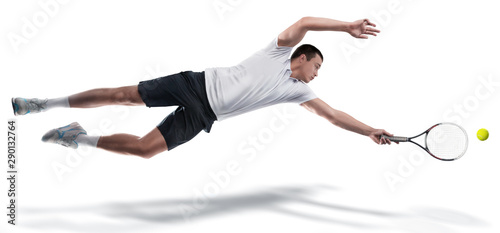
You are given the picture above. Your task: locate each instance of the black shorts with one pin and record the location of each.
(186, 90)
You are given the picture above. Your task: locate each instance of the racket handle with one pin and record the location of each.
(396, 139)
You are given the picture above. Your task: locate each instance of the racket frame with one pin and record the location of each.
(409, 139)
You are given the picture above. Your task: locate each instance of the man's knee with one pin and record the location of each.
(147, 154)
(126, 96)
(147, 150)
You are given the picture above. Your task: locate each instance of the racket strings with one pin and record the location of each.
(447, 141)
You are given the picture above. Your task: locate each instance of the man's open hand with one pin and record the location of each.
(362, 28)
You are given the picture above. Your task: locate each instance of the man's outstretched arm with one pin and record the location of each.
(344, 120)
(294, 34)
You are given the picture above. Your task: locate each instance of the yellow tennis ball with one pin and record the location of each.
(483, 134)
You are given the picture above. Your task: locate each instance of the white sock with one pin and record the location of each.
(85, 140)
(62, 102)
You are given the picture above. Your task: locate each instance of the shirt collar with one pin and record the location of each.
(289, 69)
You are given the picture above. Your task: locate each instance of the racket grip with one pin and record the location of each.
(396, 139)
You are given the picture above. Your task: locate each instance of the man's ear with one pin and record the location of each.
(302, 58)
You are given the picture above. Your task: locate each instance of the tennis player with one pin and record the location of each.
(268, 77)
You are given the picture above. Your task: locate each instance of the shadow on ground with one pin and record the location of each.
(163, 212)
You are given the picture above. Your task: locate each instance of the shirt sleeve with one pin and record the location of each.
(303, 94)
(275, 52)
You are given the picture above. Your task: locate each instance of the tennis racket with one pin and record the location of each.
(443, 141)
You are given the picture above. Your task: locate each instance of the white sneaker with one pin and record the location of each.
(22, 106)
(65, 135)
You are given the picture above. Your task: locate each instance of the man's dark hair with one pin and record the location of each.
(309, 50)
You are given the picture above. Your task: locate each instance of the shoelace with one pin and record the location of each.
(66, 141)
(37, 105)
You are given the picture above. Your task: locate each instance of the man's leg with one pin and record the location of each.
(176, 129)
(128, 95)
(145, 147)
(73, 136)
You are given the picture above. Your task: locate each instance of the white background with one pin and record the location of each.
(424, 67)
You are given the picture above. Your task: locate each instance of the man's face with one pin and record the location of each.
(308, 70)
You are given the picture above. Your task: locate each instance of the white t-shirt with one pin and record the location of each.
(261, 80)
